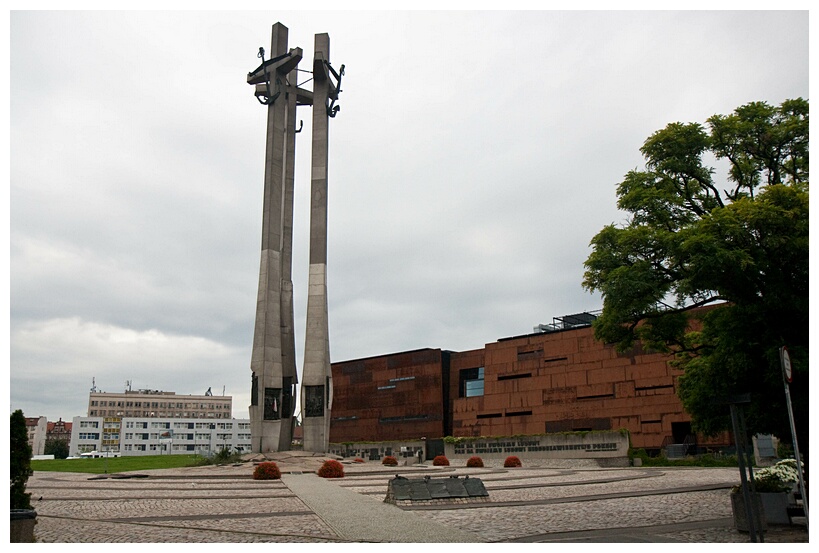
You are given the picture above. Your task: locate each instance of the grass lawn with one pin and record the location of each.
(115, 464)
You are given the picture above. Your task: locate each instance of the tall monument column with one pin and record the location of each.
(317, 384)
(273, 363)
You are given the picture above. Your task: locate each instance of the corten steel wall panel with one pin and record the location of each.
(649, 368)
(558, 347)
(524, 399)
(596, 376)
(526, 365)
(558, 396)
(507, 353)
(623, 390)
(596, 390)
(586, 342)
(467, 359)
(664, 380)
(556, 366)
(576, 377)
(575, 382)
(593, 359)
(495, 402)
(399, 386)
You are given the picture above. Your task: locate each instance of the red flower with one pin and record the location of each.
(267, 471)
(474, 462)
(512, 461)
(331, 469)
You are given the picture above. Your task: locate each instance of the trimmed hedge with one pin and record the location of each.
(389, 460)
(474, 461)
(512, 461)
(267, 471)
(331, 469)
(440, 461)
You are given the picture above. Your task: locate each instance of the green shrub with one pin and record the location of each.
(225, 457)
(267, 471)
(389, 460)
(440, 461)
(512, 461)
(474, 461)
(20, 464)
(331, 469)
(703, 460)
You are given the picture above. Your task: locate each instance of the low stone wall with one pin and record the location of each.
(607, 449)
(405, 452)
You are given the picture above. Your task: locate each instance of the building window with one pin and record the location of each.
(470, 382)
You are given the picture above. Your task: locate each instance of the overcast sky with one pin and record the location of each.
(475, 156)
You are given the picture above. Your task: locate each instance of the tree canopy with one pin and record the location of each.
(58, 448)
(715, 268)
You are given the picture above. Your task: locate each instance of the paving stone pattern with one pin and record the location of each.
(527, 505)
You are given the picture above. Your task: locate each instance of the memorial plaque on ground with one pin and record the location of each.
(455, 487)
(438, 489)
(400, 488)
(475, 488)
(425, 490)
(419, 490)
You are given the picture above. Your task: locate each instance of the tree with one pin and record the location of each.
(20, 463)
(58, 448)
(716, 273)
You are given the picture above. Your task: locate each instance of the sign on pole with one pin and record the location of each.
(787, 373)
(785, 358)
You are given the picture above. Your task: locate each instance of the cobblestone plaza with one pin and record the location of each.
(526, 505)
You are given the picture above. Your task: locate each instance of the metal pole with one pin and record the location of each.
(796, 450)
(746, 496)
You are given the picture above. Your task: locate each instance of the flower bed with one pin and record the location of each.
(267, 471)
(512, 461)
(331, 469)
(779, 478)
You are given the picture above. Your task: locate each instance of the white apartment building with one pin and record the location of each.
(37, 430)
(158, 404)
(158, 436)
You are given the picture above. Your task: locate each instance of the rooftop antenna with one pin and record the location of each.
(223, 389)
(128, 385)
(93, 385)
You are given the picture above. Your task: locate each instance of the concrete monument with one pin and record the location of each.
(317, 387)
(273, 362)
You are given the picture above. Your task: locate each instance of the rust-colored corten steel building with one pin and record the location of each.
(553, 381)
(401, 396)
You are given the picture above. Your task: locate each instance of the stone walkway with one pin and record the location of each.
(527, 505)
